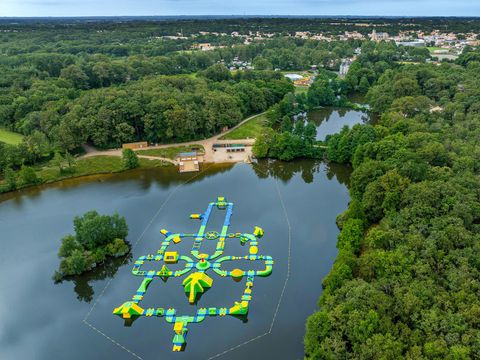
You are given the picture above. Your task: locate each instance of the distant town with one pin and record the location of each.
(442, 45)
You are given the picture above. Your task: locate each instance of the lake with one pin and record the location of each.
(295, 203)
(43, 320)
(331, 120)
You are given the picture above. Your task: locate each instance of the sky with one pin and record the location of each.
(238, 7)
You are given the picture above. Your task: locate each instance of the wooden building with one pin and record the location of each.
(137, 145)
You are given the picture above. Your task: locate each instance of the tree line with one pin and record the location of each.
(405, 281)
(160, 109)
(283, 139)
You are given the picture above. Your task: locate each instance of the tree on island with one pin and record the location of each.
(96, 238)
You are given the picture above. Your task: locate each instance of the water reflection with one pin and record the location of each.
(145, 178)
(83, 283)
(311, 191)
(330, 120)
(285, 171)
(358, 99)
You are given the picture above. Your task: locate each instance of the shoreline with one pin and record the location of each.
(79, 176)
(210, 157)
(102, 175)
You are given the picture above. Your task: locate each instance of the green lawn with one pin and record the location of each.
(249, 130)
(435, 48)
(94, 165)
(301, 89)
(48, 173)
(10, 137)
(299, 72)
(170, 152)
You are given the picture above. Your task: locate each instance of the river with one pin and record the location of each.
(296, 204)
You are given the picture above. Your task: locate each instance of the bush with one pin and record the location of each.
(28, 176)
(130, 159)
(69, 245)
(75, 264)
(10, 179)
(117, 248)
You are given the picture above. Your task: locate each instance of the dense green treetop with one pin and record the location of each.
(96, 237)
(405, 281)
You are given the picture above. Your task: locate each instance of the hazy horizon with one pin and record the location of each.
(115, 8)
(240, 16)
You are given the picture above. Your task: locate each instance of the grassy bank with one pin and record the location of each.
(249, 130)
(10, 137)
(170, 152)
(83, 167)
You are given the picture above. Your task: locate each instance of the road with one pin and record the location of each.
(219, 156)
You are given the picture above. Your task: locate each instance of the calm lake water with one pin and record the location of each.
(331, 120)
(44, 320)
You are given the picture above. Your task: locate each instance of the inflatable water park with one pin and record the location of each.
(199, 267)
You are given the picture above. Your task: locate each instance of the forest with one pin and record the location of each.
(405, 282)
(406, 279)
(136, 27)
(286, 139)
(63, 86)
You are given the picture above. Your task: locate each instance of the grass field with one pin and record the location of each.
(299, 72)
(435, 48)
(10, 137)
(301, 89)
(249, 130)
(94, 165)
(89, 166)
(170, 152)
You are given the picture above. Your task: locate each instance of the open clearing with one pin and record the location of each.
(10, 137)
(248, 130)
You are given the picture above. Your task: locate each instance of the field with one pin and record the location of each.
(301, 89)
(10, 137)
(249, 130)
(89, 166)
(170, 152)
(435, 48)
(94, 165)
(299, 72)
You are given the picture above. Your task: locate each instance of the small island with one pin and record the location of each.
(96, 238)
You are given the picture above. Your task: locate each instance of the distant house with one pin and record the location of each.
(230, 147)
(306, 81)
(345, 66)
(434, 109)
(294, 77)
(379, 36)
(137, 145)
(203, 47)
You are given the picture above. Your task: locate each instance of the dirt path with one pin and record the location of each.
(211, 156)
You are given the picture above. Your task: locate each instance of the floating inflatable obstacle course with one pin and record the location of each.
(197, 265)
